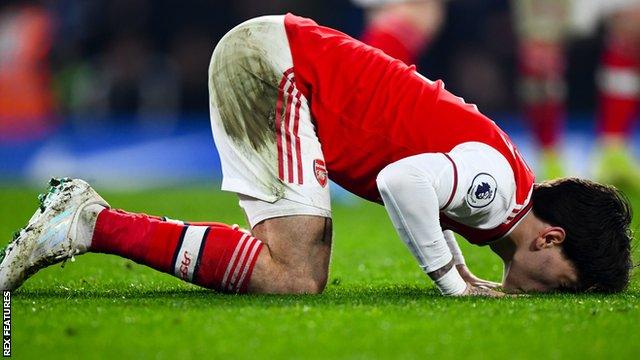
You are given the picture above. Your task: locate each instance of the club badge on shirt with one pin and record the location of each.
(320, 171)
(482, 191)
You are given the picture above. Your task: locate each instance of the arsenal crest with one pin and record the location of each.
(320, 170)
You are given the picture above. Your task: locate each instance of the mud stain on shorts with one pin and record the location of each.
(244, 89)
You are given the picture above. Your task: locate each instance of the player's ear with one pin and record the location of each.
(551, 236)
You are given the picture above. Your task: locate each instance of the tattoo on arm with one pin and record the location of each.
(437, 274)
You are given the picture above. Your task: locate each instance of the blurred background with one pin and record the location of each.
(116, 91)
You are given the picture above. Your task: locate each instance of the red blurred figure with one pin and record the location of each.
(542, 27)
(401, 28)
(26, 100)
(619, 85)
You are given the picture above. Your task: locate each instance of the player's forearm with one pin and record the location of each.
(452, 243)
(412, 203)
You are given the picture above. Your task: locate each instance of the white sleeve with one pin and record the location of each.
(414, 190)
(485, 192)
(458, 258)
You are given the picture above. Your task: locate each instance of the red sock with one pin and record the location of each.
(619, 84)
(396, 37)
(541, 71)
(212, 255)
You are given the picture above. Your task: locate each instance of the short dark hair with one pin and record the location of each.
(596, 220)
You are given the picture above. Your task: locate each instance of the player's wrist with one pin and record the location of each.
(458, 260)
(451, 283)
(448, 279)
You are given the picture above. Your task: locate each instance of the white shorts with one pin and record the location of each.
(262, 126)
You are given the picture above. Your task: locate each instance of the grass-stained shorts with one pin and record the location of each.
(262, 125)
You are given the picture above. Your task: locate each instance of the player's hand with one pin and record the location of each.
(474, 280)
(473, 290)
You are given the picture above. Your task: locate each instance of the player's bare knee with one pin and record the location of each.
(319, 283)
(298, 255)
(313, 280)
(314, 286)
(308, 274)
(297, 241)
(308, 283)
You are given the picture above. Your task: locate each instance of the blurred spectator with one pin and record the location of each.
(619, 92)
(191, 50)
(134, 80)
(126, 75)
(26, 100)
(542, 28)
(149, 58)
(474, 53)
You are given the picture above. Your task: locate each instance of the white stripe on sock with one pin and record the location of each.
(236, 270)
(233, 258)
(189, 251)
(256, 244)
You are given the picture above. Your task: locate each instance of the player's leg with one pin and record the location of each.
(401, 28)
(296, 256)
(280, 255)
(541, 27)
(619, 85)
(269, 154)
(291, 215)
(74, 219)
(275, 162)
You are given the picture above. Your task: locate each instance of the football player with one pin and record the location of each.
(543, 28)
(619, 92)
(294, 104)
(402, 28)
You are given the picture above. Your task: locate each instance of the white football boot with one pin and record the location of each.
(61, 228)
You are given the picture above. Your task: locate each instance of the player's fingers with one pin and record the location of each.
(479, 290)
(492, 293)
(491, 284)
(486, 283)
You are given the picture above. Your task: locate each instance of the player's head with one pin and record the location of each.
(580, 240)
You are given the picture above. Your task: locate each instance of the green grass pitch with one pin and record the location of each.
(377, 304)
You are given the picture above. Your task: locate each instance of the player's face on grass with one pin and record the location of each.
(538, 265)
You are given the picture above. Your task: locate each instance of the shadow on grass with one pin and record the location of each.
(333, 294)
(398, 295)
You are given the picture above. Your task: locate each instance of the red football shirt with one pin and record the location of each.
(372, 110)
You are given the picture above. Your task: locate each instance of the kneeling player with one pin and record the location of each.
(293, 103)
